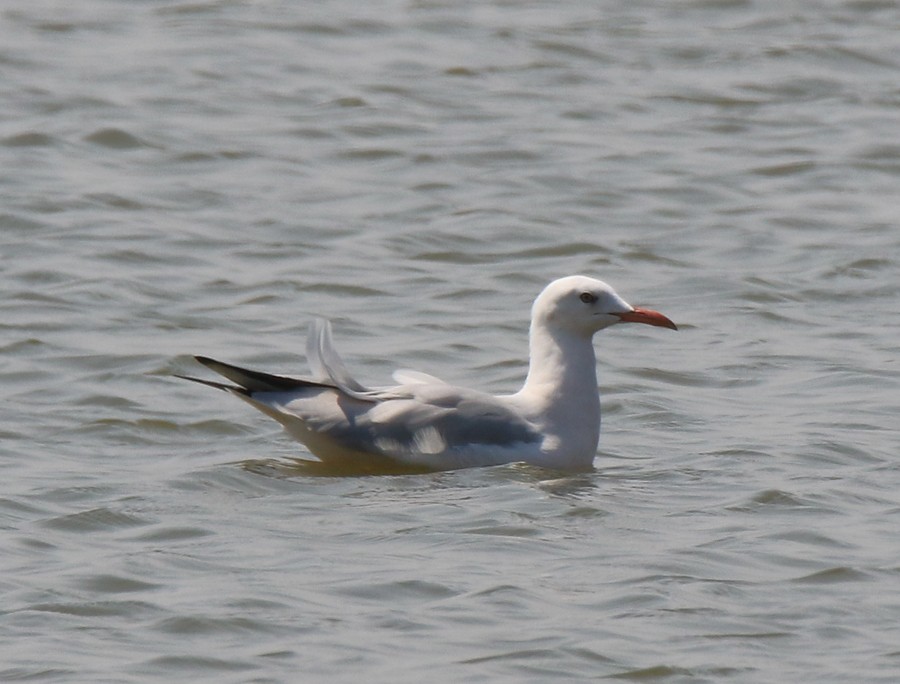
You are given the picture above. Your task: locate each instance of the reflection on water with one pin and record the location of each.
(303, 467)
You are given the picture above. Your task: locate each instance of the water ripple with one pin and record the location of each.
(183, 178)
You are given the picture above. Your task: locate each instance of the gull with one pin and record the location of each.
(426, 424)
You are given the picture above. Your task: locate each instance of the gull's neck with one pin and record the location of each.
(561, 387)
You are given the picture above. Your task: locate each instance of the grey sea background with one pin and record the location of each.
(206, 177)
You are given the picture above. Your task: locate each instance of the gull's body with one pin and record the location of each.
(553, 421)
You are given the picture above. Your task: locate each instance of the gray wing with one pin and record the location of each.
(414, 420)
(327, 365)
(417, 421)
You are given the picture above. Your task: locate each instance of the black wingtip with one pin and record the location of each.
(249, 381)
(212, 383)
(210, 363)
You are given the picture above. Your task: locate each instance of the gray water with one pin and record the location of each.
(205, 177)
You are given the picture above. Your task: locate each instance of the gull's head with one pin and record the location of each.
(582, 305)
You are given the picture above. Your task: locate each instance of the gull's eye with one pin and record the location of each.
(588, 298)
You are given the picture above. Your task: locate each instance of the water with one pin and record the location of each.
(204, 177)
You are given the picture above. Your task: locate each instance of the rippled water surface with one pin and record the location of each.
(205, 177)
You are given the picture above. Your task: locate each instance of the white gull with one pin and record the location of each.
(424, 423)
